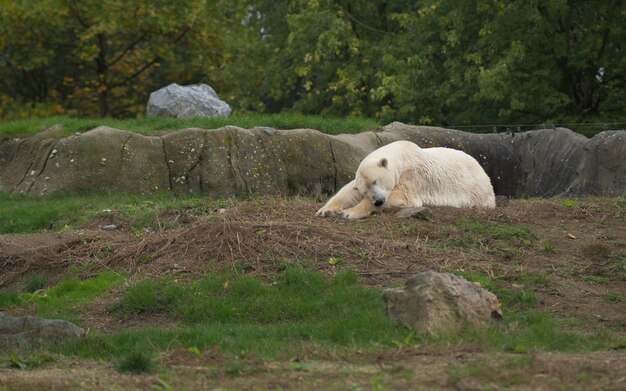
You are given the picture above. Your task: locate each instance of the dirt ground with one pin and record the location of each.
(571, 254)
(410, 370)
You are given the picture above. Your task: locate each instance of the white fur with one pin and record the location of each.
(403, 175)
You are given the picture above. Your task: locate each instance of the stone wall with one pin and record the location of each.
(231, 161)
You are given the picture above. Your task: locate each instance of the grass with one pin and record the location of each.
(296, 296)
(9, 299)
(503, 240)
(614, 298)
(516, 235)
(548, 248)
(286, 313)
(66, 299)
(23, 214)
(508, 373)
(26, 362)
(330, 125)
(285, 317)
(513, 300)
(137, 362)
(245, 314)
(36, 282)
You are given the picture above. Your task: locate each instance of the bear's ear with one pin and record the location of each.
(383, 162)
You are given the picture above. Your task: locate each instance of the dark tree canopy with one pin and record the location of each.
(441, 62)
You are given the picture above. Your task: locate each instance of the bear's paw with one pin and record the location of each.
(328, 211)
(353, 214)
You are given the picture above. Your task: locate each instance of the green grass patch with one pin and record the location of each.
(614, 298)
(593, 279)
(23, 214)
(523, 329)
(506, 373)
(536, 331)
(517, 235)
(35, 283)
(534, 278)
(297, 296)
(65, 299)
(299, 309)
(569, 203)
(503, 240)
(548, 247)
(513, 300)
(9, 299)
(245, 314)
(330, 125)
(26, 362)
(137, 362)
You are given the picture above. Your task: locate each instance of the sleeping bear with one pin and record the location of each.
(403, 175)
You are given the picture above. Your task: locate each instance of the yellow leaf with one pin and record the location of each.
(334, 261)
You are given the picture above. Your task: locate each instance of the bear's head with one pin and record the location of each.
(375, 181)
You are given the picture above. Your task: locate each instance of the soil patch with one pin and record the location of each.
(411, 369)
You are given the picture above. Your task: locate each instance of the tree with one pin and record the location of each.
(443, 62)
(446, 62)
(103, 57)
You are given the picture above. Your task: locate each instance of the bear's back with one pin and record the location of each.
(454, 175)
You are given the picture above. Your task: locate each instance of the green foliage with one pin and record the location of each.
(438, 61)
(441, 62)
(103, 57)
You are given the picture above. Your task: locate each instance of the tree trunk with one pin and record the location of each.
(103, 86)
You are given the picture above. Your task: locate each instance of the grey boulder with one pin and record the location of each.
(26, 332)
(197, 100)
(441, 304)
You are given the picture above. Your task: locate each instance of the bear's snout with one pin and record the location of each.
(379, 202)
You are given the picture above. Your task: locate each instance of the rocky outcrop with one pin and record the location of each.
(231, 161)
(441, 304)
(26, 332)
(197, 100)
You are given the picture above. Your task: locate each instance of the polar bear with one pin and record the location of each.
(403, 175)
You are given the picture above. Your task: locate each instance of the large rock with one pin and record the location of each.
(103, 158)
(238, 162)
(26, 332)
(441, 304)
(197, 100)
